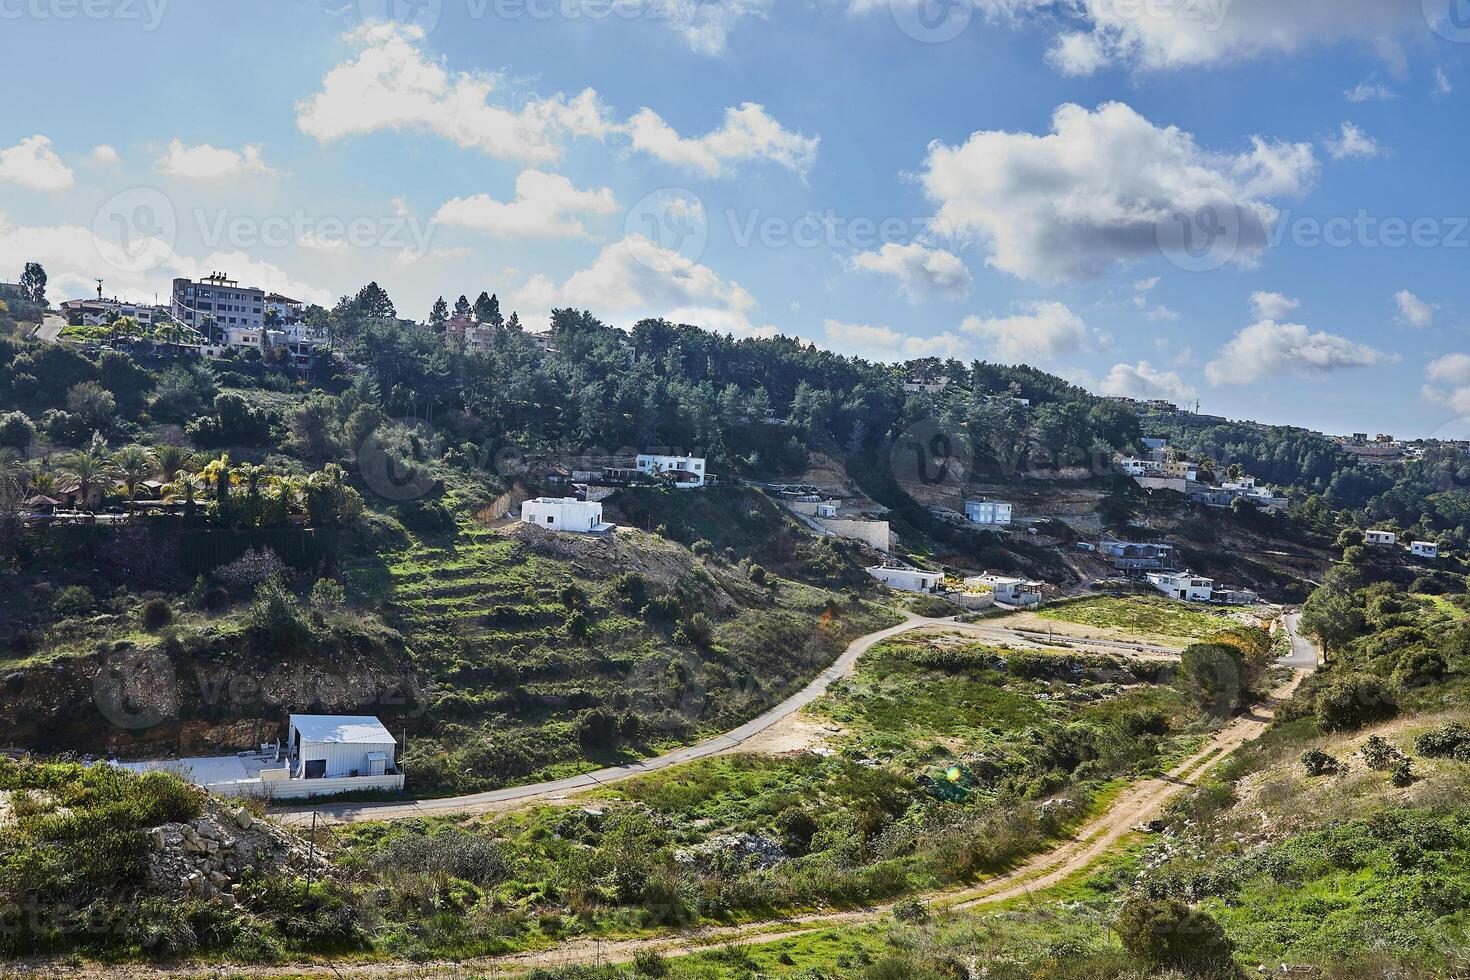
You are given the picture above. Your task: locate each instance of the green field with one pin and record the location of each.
(1142, 614)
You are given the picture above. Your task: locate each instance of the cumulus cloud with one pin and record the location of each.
(879, 343)
(748, 133)
(1269, 349)
(104, 155)
(1413, 310)
(1353, 144)
(205, 162)
(32, 163)
(921, 272)
(635, 277)
(392, 84)
(74, 256)
(1099, 189)
(705, 26)
(545, 205)
(1452, 370)
(1143, 380)
(1036, 332)
(1273, 306)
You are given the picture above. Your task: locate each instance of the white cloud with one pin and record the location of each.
(545, 205)
(705, 25)
(1143, 380)
(1273, 306)
(1368, 92)
(1098, 189)
(205, 162)
(391, 84)
(32, 163)
(1038, 332)
(921, 272)
(1269, 349)
(1413, 310)
(1453, 370)
(1442, 84)
(104, 155)
(1353, 144)
(635, 277)
(748, 133)
(75, 257)
(887, 344)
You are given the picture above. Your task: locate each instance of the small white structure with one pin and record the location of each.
(1016, 591)
(1183, 585)
(334, 746)
(686, 472)
(989, 512)
(1382, 539)
(565, 514)
(826, 509)
(1424, 549)
(906, 578)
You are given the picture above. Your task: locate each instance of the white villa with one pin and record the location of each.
(906, 578)
(988, 511)
(1424, 549)
(687, 472)
(1384, 539)
(1016, 591)
(323, 754)
(1183, 585)
(565, 514)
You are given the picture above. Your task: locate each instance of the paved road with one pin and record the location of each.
(50, 328)
(1304, 652)
(843, 665)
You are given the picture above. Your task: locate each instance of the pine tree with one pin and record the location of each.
(439, 314)
(462, 306)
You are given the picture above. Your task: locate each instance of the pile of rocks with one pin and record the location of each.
(753, 850)
(209, 856)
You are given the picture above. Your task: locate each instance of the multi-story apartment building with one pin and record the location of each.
(236, 312)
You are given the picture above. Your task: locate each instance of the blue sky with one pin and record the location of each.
(1008, 179)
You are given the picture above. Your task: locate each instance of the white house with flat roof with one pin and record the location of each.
(1183, 585)
(989, 512)
(686, 472)
(337, 746)
(1424, 549)
(1382, 539)
(565, 514)
(906, 578)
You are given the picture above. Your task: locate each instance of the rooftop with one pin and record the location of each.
(320, 729)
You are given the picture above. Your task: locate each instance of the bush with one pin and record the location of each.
(911, 910)
(1378, 754)
(17, 431)
(476, 858)
(74, 600)
(1449, 741)
(276, 614)
(1214, 675)
(597, 729)
(1354, 700)
(157, 614)
(1168, 933)
(1319, 763)
(1401, 773)
(328, 595)
(698, 630)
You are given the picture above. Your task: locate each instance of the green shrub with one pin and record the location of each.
(1167, 933)
(1401, 773)
(1352, 701)
(1319, 763)
(328, 595)
(74, 600)
(597, 729)
(157, 614)
(1448, 741)
(1379, 754)
(911, 910)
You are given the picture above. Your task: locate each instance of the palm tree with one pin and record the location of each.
(90, 468)
(42, 478)
(170, 460)
(133, 464)
(188, 488)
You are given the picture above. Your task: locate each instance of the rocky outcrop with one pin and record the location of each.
(211, 856)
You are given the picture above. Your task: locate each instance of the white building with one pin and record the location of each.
(337, 746)
(1383, 539)
(1424, 549)
(1016, 591)
(101, 312)
(1183, 585)
(686, 472)
(565, 514)
(906, 578)
(988, 511)
(1134, 466)
(222, 302)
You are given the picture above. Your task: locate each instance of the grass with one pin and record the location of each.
(1139, 615)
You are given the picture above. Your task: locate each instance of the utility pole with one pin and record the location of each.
(311, 861)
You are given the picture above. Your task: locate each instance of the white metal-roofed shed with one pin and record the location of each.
(331, 746)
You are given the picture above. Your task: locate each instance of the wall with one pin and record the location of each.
(874, 534)
(1177, 484)
(291, 789)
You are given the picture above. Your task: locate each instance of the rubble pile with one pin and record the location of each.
(210, 856)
